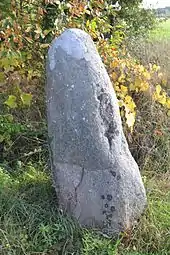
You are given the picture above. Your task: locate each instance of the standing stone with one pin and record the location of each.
(96, 178)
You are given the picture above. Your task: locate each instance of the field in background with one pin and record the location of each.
(163, 31)
(155, 49)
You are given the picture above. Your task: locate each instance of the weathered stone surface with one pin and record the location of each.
(95, 175)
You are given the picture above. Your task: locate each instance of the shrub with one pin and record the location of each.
(24, 47)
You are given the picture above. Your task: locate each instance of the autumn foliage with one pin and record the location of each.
(27, 29)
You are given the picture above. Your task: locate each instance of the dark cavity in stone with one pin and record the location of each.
(109, 216)
(112, 209)
(118, 177)
(113, 173)
(109, 197)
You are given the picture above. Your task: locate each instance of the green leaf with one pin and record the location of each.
(93, 25)
(9, 117)
(26, 99)
(11, 101)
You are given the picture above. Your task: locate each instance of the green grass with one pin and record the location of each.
(30, 222)
(154, 49)
(163, 31)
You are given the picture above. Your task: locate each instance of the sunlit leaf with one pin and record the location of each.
(168, 103)
(44, 45)
(132, 87)
(158, 89)
(147, 75)
(11, 101)
(123, 89)
(26, 99)
(114, 76)
(130, 119)
(144, 86)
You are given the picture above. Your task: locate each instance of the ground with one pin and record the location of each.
(30, 222)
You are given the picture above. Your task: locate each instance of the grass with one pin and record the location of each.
(155, 49)
(163, 31)
(30, 222)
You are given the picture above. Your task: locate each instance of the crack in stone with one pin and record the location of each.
(106, 113)
(81, 179)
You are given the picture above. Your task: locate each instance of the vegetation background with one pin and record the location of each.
(135, 48)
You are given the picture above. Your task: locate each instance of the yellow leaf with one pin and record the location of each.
(132, 87)
(114, 76)
(138, 83)
(120, 103)
(158, 89)
(130, 119)
(168, 103)
(130, 104)
(117, 88)
(160, 75)
(128, 99)
(147, 75)
(141, 69)
(121, 78)
(123, 89)
(144, 86)
(162, 99)
(155, 68)
(168, 113)
(164, 81)
(122, 113)
(114, 64)
(123, 65)
(87, 23)
(44, 45)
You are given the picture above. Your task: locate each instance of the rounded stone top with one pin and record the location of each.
(73, 42)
